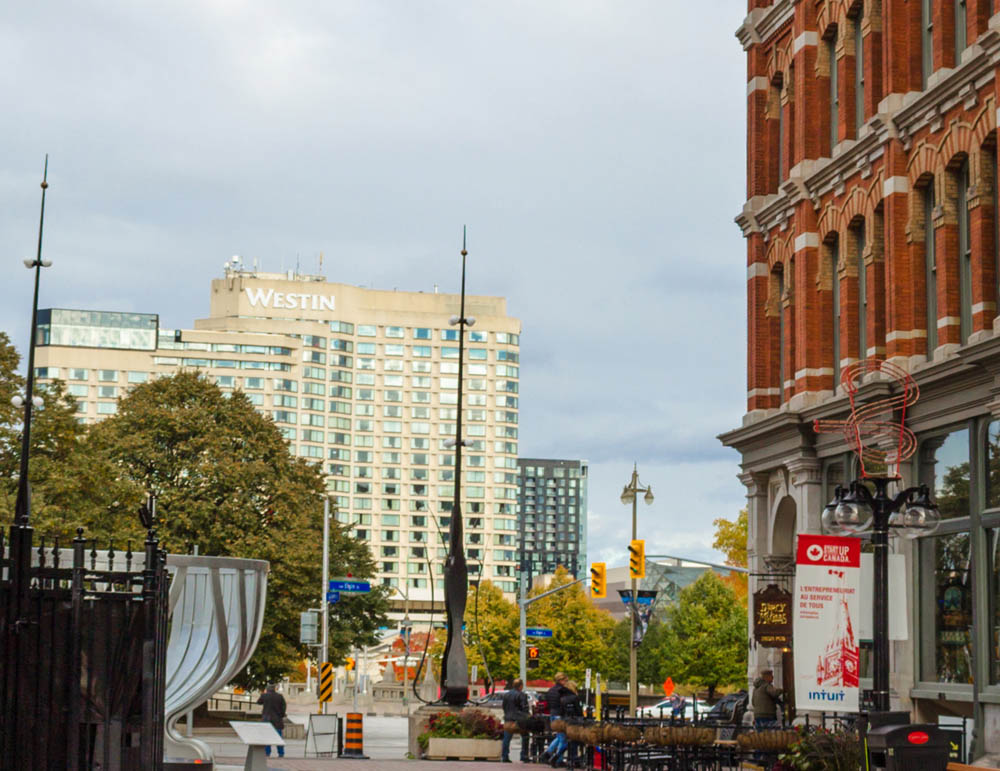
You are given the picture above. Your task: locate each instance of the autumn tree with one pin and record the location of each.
(731, 540)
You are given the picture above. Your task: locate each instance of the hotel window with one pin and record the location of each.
(423, 351)
(341, 345)
(421, 333)
(338, 437)
(390, 365)
(255, 399)
(107, 408)
(449, 334)
(281, 400)
(107, 392)
(342, 326)
(224, 381)
(366, 330)
(393, 381)
(393, 331)
(964, 254)
(314, 388)
(138, 377)
(77, 374)
(78, 390)
(365, 363)
(421, 397)
(831, 52)
(309, 403)
(859, 74)
(107, 375)
(930, 269)
(926, 41)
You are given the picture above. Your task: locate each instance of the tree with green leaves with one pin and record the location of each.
(580, 630)
(224, 480)
(705, 643)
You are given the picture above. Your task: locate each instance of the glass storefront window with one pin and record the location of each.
(993, 465)
(947, 599)
(994, 593)
(944, 466)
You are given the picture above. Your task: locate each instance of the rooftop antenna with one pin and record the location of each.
(320, 271)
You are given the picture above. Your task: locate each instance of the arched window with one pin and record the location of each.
(782, 331)
(926, 41)
(831, 51)
(833, 264)
(930, 268)
(964, 252)
(961, 39)
(859, 71)
(858, 234)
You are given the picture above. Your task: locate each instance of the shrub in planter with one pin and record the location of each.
(467, 724)
(823, 750)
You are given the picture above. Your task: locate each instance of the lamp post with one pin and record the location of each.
(629, 494)
(22, 508)
(910, 513)
(454, 664)
(406, 626)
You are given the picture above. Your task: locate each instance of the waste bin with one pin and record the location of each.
(907, 747)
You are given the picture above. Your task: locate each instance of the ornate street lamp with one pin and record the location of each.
(454, 664)
(22, 508)
(628, 496)
(871, 427)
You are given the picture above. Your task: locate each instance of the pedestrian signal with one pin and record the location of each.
(534, 657)
(637, 559)
(348, 663)
(599, 580)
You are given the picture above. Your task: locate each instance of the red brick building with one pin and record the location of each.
(871, 229)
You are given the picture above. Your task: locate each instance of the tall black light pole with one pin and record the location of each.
(911, 514)
(22, 508)
(454, 664)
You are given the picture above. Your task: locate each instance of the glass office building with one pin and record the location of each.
(552, 511)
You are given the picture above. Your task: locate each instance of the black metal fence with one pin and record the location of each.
(82, 654)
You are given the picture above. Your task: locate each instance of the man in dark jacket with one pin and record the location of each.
(515, 710)
(274, 713)
(765, 700)
(570, 708)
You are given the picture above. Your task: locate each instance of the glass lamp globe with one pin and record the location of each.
(628, 496)
(918, 520)
(648, 497)
(829, 520)
(853, 516)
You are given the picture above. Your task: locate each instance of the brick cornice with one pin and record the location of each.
(762, 23)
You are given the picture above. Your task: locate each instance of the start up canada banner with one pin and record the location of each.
(825, 623)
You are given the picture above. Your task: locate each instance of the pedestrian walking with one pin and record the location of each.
(274, 713)
(554, 699)
(765, 701)
(515, 710)
(571, 710)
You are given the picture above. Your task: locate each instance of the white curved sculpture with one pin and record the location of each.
(216, 614)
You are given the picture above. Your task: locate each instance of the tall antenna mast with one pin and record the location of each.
(22, 508)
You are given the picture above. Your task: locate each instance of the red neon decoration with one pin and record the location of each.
(918, 737)
(878, 438)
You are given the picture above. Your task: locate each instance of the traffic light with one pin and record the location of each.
(348, 663)
(534, 657)
(599, 580)
(637, 559)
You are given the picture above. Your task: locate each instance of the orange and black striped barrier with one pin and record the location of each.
(354, 737)
(325, 682)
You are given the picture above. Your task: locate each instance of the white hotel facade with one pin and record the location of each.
(363, 382)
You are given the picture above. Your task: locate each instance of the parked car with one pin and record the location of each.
(728, 709)
(665, 710)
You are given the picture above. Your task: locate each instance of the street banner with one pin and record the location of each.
(827, 656)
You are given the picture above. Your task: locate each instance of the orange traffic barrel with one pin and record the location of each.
(354, 737)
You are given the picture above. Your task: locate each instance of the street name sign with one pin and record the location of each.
(537, 631)
(349, 586)
(333, 596)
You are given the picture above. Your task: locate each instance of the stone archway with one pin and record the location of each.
(784, 528)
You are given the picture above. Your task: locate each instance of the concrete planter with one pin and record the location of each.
(465, 749)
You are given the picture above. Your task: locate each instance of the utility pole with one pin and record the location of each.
(325, 613)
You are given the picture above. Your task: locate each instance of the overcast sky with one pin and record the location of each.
(596, 151)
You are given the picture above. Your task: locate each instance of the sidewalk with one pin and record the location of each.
(308, 764)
